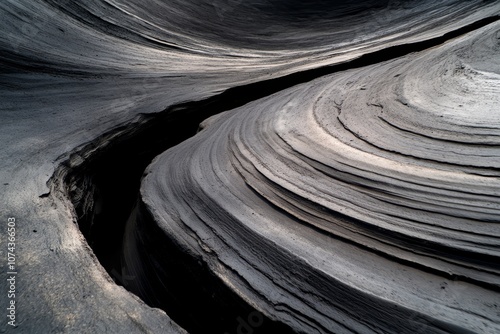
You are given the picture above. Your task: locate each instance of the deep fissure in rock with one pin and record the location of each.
(104, 188)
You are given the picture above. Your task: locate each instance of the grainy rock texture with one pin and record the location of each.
(365, 201)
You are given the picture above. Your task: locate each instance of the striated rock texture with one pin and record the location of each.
(272, 204)
(366, 201)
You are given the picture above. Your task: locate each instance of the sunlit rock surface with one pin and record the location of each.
(364, 201)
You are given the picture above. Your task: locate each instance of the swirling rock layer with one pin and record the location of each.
(366, 201)
(78, 77)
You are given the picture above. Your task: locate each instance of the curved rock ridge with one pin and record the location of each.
(365, 201)
(78, 77)
(155, 38)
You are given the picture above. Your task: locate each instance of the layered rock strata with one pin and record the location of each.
(76, 78)
(365, 201)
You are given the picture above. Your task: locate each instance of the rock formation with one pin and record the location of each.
(351, 183)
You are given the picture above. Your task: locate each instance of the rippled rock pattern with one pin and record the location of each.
(362, 201)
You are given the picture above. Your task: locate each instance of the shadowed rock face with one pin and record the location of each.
(364, 199)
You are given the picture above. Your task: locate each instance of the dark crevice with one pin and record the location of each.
(102, 180)
(199, 302)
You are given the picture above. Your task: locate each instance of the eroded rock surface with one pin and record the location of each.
(365, 201)
(317, 224)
